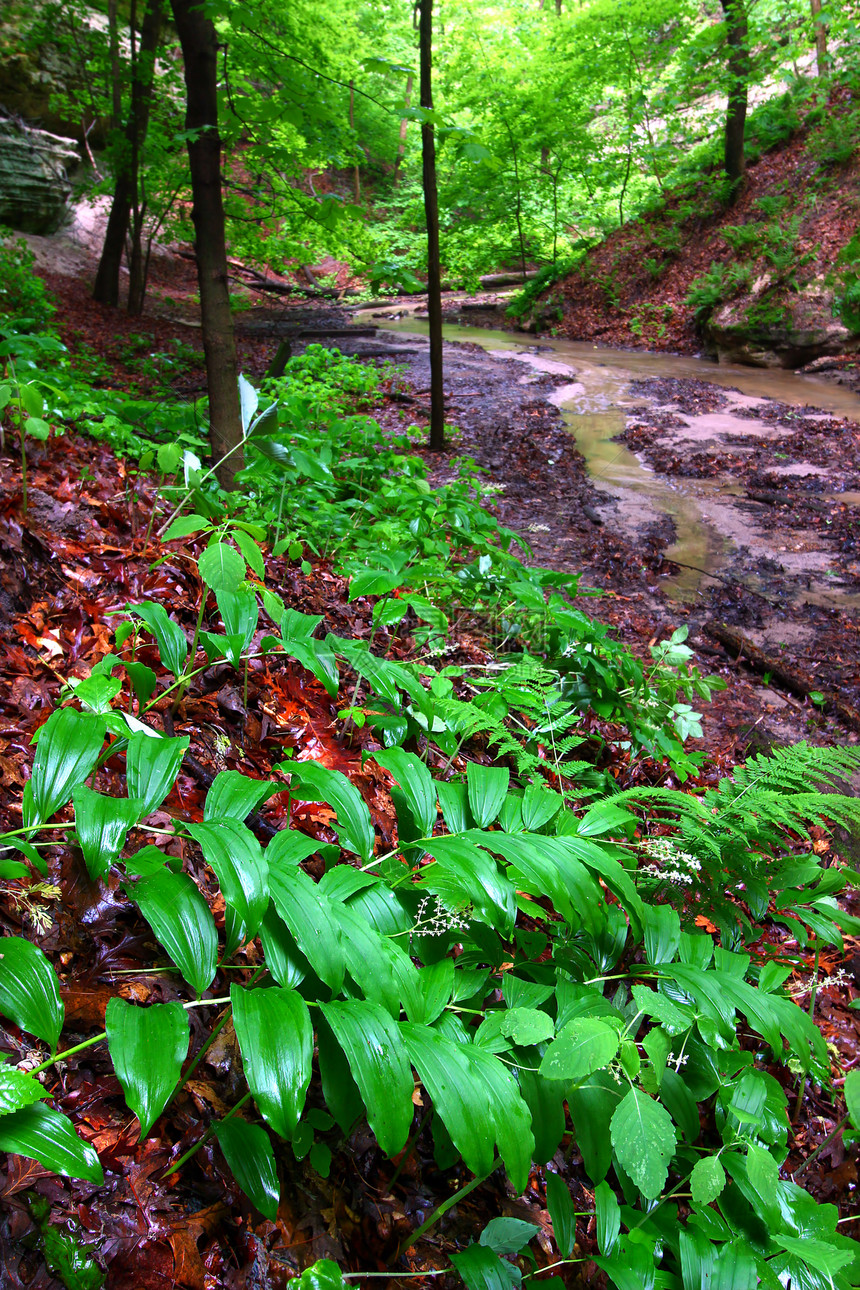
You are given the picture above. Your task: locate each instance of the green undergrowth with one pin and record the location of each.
(556, 962)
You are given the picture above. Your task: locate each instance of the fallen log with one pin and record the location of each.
(791, 678)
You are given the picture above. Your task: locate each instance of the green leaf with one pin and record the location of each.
(289, 848)
(147, 1047)
(354, 825)
(236, 795)
(608, 1214)
(29, 993)
(562, 1214)
(322, 1275)
(41, 1133)
(585, 1045)
(172, 645)
(605, 817)
(276, 1039)
(284, 959)
(252, 553)
(461, 1100)
(465, 874)
(378, 1061)
(180, 919)
(102, 824)
(643, 1138)
(416, 783)
(185, 525)
(671, 1016)
(818, 1254)
(482, 1269)
(526, 1026)
(308, 915)
(143, 680)
(707, 1180)
(248, 1151)
(851, 1090)
(680, 1104)
(237, 858)
(540, 805)
(763, 1173)
(151, 768)
(453, 801)
(487, 787)
(507, 1235)
(221, 567)
(17, 1089)
(68, 747)
(592, 1107)
(662, 933)
(248, 402)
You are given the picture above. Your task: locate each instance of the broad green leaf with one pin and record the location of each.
(763, 1173)
(527, 1026)
(482, 1269)
(180, 919)
(605, 817)
(416, 783)
(818, 1254)
(680, 1103)
(248, 402)
(308, 915)
(147, 1047)
(562, 1214)
(172, 644)
(322, 1275)
(237, 858)
(371, 961)
(465, 874)
(608, 1214)
(143, 680)
(342, 1094)
(379, 1064)
(453, 800)
(284, 959)
(29, 993)
(253, 558)
(662, 933)
(221, 567)
(585, 1045)
(151, 768)
(539, 806)
(672, 1017)
(43, 1134)
(461, 1100)
(545, 1100)
(185, 525)
(67, 750)
(240, 614)
(354, 825)
(436, 983)
(707, 1180)
(507, 1235)
(851, 1091)
(17, 1089)
(289, 848)
(236, 795)
(248, 1151)
(510, 1114)
(592, 1107)
(318, 658)
(487, 787)
(643, 1138)
(102, 824)
(276, 1039)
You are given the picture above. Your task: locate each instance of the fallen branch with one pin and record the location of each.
(790, 678)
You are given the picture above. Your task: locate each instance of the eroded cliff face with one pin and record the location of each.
(35, 170)
(799, 328)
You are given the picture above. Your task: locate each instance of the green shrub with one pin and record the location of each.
(25, 302)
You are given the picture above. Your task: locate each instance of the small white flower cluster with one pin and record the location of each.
(493, 488)
(840, 978)
(673, 865)
(435, 919)
(538, 528)
(677, 1062)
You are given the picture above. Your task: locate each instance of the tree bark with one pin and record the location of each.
(199, 53)
(106, 286)
(737, 38)
(431, 211)
(822, 58)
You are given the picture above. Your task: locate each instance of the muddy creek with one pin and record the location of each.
(711, 529)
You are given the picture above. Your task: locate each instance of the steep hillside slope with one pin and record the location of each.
(769, 279)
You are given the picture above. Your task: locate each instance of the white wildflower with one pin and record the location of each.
(435, 919)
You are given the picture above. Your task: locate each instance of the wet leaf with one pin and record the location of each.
(43, 1134)
(29, 992)
(248, 1151)
(68, 747)
(275, 1034)
(147, 1047)
(151, 767)
(180, 919)
(221, 567)
(102, 824)
(379, 1064)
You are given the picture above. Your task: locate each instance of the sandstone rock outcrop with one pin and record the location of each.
(34, 177)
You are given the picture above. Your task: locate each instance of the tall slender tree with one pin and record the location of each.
(739, 67)
(431, 213)
(199, 43)
(126, 189)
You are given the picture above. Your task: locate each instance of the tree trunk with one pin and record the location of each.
(739, 76)
(401, 146)
(431, 211)
(106, 287)
(199, 53)
(822, 58)
(356, 181)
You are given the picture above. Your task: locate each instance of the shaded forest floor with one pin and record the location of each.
(81, 553)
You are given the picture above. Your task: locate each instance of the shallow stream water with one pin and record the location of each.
(595, 403)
